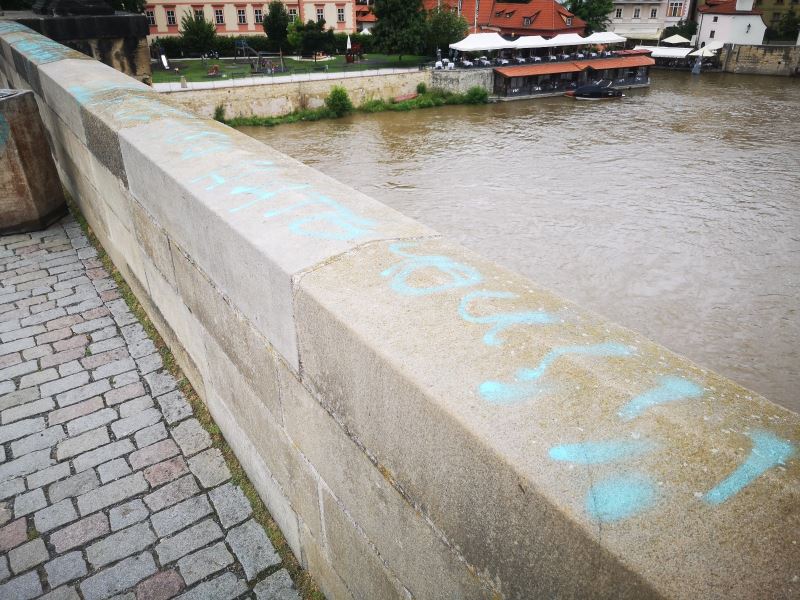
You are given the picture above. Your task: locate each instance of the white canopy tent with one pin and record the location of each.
(676, 39)
(481, 42)
(566, 39)
(715, 45)
(704, 52)
(665, 52)
(604, 37)
(530, 41)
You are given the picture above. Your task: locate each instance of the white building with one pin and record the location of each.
(730, 22)
(646, 19)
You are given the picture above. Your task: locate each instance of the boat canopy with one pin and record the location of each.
(604, 37)
(665, 52)
(480, 42)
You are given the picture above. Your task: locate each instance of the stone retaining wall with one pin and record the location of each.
(277, 99)
(761, 60)
(421, 422)
(462, 80)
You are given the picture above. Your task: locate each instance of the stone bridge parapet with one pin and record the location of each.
(420, 422)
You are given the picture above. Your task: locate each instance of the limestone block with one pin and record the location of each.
(30, 193)
(423, 561)
(513, 419)
(235, 206)
(153, 240)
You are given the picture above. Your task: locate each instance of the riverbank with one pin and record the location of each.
(423, 99)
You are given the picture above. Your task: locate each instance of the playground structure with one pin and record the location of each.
(260, 62)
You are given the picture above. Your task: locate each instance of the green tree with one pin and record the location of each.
(197, 34)
(276, 24)
(788, 25)
(684, 28)
(400, 28)
(444, 27)
(311, 38)
(594, 12)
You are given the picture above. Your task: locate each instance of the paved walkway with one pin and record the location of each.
(108, 484)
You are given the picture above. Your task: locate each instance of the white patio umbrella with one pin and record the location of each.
(676, 39)
(349, 45)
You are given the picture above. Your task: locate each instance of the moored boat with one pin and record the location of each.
(595, 91)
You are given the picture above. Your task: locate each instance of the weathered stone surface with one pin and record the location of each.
(82, 443)
(92, 421)
(252, 547)
(74, 411)
(73, 486)
(204, 562)
(111, 493)
(25, 465)
(27, 410)
(20, 429)
(224, 587)
(187, 541)
(100, 455)
(191, 437)
(161, 586)
(48, 475)
(62, 593)
(114, 469)
(22, 588)
(127, 514)
(278, 586)
(37, 441)
(121, 576)
(54, 516)
(131, 407)
(174, 406)
(210, 468)
(181, 515)
(13, 534)
(140, 420)
(126, 392)
(171, 493)
(27, 555)
(153, 454)
(79, 533)
(27, 503)
(166, 471)
(120, 545)
(65, 568)
(150, 435)
(231, 504)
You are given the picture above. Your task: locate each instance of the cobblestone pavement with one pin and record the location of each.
(108, 484)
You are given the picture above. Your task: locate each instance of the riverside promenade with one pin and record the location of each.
(109, 485)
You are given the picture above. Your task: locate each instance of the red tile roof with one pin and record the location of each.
(725, 7)
(577, 65)
(547, 17)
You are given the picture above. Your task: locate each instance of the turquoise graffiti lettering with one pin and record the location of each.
(233, 174)
(128, 102)
(259, 194)
(339, 222)
(42, 50)
(593, 453)
(460, 275)
(768, 452)
(620, 497)
(669, 389)
(194, 142)
(500, 321)
(526, 380)
(4, 132)
(11, 26)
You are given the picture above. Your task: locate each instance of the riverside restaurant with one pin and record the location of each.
(533, 66)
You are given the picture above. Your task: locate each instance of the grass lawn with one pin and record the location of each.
(195, 70)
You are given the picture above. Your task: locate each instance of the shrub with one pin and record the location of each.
(172, 46)
(476, 95)
(422, 88)
(372, 106)
(219, 113)
(197, 34)
(338, 102)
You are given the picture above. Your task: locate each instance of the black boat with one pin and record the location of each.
(595, 91)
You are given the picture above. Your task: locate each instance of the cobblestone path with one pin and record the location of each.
(109, 486)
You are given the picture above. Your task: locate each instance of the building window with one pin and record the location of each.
(219, 16)
(675, 9)
(653, 13)
(198, 14)
(711, 35)
(637, 12)
(320, 15)
(242, 16)
(618, 14)
(340, 15)
(292, 15)
(151, 17)
(526, 22)
(715, 19)
(259, 16)
(569, 21)
(171, 17)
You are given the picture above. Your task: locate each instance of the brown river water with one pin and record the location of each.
(674, 211)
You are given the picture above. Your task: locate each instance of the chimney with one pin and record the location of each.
(744, 5)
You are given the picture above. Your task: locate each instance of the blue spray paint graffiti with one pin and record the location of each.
(525, 384)
(669, 389)
(4, 132)
(194, 141)
(768, 452)
(12, 26)
(126, 102)
(40, 50)
(460, 275)
(260, 195)
(593, 453)
(620, 497)
(346, 225)
(503, 320)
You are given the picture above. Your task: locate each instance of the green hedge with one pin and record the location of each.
(224, 45)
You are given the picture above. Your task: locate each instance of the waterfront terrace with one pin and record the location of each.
(421, 422)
